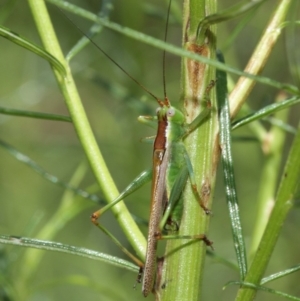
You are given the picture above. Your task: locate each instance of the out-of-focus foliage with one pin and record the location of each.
(113, 103)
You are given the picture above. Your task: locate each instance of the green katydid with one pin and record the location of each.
(170, 171)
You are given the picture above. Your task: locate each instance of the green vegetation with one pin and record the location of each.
(54, 175)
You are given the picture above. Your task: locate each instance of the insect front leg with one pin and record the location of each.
(148, 120)
(205, 112)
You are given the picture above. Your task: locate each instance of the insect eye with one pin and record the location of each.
(171, 112)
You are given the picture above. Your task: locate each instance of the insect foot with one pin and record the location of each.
(208, 242)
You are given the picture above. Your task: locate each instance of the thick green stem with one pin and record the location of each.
(183, 264)
(283, 204)
(83, 128)
(259, 57)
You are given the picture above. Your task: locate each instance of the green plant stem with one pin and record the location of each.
(182, 270)
(83, 128)
(272, 146)
(283, 203)
(259, 57)
(168, 47)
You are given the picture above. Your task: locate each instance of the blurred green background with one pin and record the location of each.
(113, 103)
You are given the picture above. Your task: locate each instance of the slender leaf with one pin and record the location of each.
(283, 204)
(37, 115)
(170, 48)
(280, 274)
(53, 179)
(73, 250)
(231, 194)
(266, 111)
(234, 11)
(23, 42)
(265, 289)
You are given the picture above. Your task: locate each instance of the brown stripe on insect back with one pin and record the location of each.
(161, 140)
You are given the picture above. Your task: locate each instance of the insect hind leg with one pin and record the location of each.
(202, 237)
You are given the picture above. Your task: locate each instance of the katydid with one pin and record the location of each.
(171, 168)
(170, 171)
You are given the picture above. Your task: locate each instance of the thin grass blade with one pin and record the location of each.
(231, 194)
(232, 12)
(283, 204)
(53, 179)
(265, 289)
(170, 48)
(63, 248)
(31, 114)
(23, 42)
(266, 111)
(280, 274)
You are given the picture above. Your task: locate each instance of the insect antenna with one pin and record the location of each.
(164, 53)
(113, 61)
